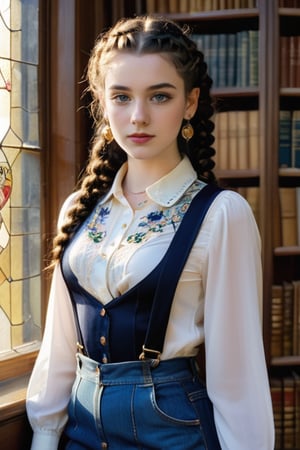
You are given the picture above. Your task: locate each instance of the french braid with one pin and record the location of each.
(140, 35)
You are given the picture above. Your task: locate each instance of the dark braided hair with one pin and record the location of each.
(140, 35)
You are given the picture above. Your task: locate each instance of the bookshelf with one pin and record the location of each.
(264, 182)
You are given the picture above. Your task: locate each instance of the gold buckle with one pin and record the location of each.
(80, 348)
(148, 353)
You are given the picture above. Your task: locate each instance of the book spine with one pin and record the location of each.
(253, 55)
(254, 144)
(215, 5)
(296, 319)
(284, 71)
(222, 46)
(277, 321)
(184, 6)
(298, 223)
(297, 406)
(293, 61)
(233, 139)
(231, 59)
(297, 70)
(214, 62)
(276, 385)
(207, 5)
(243, 139)
(295, 138)
(207, 52)
(151, 6)
(230, 4)
(243, 58)
(289, 413)
(173, 6)
(288, 303)
(222, 145)
(288, 216)
(285, 139)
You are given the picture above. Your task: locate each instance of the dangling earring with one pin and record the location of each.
(107, 134)
(187, 131)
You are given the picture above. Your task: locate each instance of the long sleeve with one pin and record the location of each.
(54, 371)
(237, 379)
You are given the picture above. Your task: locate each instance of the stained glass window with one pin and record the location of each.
(20, 171)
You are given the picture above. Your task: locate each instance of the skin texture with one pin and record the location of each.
(145, 103)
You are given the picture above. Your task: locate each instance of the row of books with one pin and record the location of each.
(289, 232)
(237, 140)
(290, 216)
(289, 138)
(289, 67)
(232, 58)
(285, 392)
(289, 4)
(191, 6)
(285, 319)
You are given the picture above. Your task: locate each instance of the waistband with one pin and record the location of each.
(136, 372)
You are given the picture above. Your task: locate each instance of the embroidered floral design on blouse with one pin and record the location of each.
(96, 226)
(156, 221)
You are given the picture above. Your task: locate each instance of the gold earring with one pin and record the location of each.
(187, 131)
(107, 134)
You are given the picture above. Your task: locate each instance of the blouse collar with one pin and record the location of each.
(167, 190)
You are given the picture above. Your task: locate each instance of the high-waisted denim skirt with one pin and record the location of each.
(133, 405)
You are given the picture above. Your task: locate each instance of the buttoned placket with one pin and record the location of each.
(116, 236)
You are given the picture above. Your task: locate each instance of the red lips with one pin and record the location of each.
(140, 138)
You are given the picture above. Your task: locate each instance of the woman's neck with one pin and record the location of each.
(141, 174)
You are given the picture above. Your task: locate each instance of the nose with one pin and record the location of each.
(140, 115)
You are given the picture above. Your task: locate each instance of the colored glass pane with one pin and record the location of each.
(20, 171)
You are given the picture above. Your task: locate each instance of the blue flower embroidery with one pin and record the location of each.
(95, 228)
(156, 221)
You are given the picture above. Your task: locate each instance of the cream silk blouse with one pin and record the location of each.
(218, 298)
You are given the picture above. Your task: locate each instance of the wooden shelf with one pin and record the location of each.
(289, 172)
(289, 12)
(287, 251)
(238, 174)
(284, 361)
(236, 92)
(224, 14)
(290, 91)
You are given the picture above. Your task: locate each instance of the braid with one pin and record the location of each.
(140, 35)
(199, 148)
(104, 163)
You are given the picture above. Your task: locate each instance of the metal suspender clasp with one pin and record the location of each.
(80, 348)
(153, 355)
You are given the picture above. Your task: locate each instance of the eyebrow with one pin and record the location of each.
(119, 87)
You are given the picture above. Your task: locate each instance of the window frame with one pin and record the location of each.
(58, 133)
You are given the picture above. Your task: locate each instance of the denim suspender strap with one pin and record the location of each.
(173, 264)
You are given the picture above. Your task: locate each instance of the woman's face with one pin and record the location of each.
(145, 103)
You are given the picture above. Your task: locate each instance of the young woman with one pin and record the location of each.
(150, 158)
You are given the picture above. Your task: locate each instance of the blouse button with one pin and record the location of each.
(124, 225)
(104, 360)
(102, 340)
(104, 445)
(102, 312)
